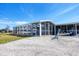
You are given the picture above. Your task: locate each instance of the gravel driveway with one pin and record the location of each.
(41, 46)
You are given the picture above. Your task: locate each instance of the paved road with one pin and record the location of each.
(41, 46)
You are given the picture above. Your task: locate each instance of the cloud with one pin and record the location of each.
(75, 19)
(22, 9)
(67, 10)
(5, 18)
(5, 22)
(20, 22)
(27, 12)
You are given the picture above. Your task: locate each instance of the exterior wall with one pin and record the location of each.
(67, 28)
(24, 30)
(47, 28)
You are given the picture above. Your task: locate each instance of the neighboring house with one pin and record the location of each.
(44, 28)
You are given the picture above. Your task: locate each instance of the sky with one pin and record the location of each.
(13, 14)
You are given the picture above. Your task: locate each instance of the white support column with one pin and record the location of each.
(54, 29)
(45, 28)
(76, 28)
(48, 29)
(40, 29)
(35, 31)
(51, 28)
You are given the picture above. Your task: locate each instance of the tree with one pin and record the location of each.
(7, 28)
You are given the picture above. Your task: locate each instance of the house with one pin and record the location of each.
(45, 28)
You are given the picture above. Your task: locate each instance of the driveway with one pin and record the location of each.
(41, 46)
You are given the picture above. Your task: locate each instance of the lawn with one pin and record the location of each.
(6, 37)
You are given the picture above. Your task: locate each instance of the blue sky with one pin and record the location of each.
(21, 13)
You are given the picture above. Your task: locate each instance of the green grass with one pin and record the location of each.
(6, 37)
